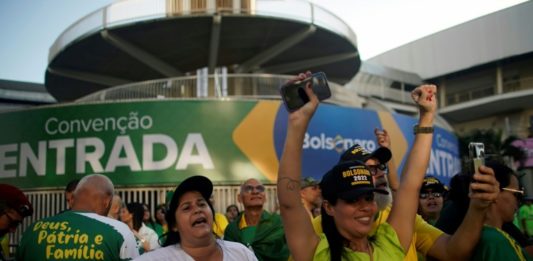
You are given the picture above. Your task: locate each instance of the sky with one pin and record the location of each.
(30, 27)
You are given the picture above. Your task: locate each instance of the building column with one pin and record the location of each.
(499, 80)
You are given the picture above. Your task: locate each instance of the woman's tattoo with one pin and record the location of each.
(292, 184)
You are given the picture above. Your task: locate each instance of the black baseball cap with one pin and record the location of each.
(348, 181)
(358, 153)
(431, 182)
(195, 183)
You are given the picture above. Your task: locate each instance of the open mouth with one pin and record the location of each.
(199, 221)
(432, 205)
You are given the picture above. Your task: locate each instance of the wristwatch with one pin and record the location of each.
(417, 129)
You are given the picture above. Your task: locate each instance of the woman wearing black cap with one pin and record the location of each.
(349, 207)
(190, 223)
(431, 199)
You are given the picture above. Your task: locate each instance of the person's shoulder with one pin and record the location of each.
(270, 216)
(235, 250)
(118, 226)
(146, 229)
(230, 244)
(492, 236)
(164, 253)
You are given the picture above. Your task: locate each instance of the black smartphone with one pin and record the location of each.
(293, 93)
(476, 151)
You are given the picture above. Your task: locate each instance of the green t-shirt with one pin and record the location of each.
(497, 245)
(526, 213)
(75, 235)
(385, 246)
(248, 235)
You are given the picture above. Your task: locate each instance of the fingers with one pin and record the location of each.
(424, 92)
(486, 197)
(486, 170)
(484, 187)
(311, 94)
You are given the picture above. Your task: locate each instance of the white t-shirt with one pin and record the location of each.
(230, 250)
(149, 235)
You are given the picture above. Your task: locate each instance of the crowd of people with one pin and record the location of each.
(359, 210)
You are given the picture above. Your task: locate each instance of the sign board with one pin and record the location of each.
(155, 142)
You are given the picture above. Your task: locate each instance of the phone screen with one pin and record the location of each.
(294, 96)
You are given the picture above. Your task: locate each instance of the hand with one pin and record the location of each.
(304, 114)
(425, 97)
(484, 189)
(382, 137)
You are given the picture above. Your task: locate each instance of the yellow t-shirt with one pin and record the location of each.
(424, 236)
(220, 224)
(385, 246)
(4, 242)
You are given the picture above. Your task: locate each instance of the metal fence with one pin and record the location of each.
(51, 202)
(215, 86)
(122, 12)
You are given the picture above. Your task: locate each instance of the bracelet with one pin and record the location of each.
(417, 129)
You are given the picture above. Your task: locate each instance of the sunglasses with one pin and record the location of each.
(425, 195)
(25, 211)
(518, 194)
(250, 188)
(374, 168)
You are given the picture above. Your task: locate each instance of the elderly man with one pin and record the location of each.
(14, 207)
(255, 227)
(85, 232)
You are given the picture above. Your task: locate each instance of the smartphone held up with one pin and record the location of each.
(293, 93)
(476, 151)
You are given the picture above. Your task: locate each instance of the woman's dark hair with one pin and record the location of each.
(163, 208)
(150, 222)
(233, 206)
(502, 173)
(137, 211)
(173, 237)
(335, 239)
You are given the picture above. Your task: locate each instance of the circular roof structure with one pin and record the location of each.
(138, 40)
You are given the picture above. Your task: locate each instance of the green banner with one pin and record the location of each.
(133, 143)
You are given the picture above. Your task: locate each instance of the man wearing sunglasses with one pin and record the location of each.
(255, 227)
(14, 207)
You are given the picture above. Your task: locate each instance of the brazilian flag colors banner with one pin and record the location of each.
(165, 141)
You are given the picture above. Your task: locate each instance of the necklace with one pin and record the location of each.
(370, 251)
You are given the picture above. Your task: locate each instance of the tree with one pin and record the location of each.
(495, 148)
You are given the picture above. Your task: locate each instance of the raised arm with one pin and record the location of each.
(460, 245)
(383, 139)
(405, 204)
(299, 232)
